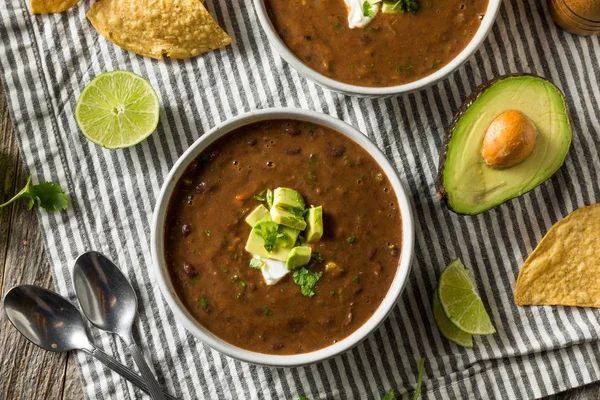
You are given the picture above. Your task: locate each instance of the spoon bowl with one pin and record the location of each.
(109, 302)
(105, 295)
(46, 319)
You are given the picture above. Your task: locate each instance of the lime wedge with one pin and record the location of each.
(447, 328)
(117, 109)
(461, 303)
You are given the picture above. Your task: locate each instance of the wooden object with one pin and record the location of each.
(26, 371)
(581, 17)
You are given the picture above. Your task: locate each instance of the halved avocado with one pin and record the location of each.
(470, 186)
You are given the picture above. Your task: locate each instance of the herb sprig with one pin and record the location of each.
(47, 195)
(411, 6)
(307, 280)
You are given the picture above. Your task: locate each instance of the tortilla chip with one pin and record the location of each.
(158, 28)
(564, 269)
(51, 6)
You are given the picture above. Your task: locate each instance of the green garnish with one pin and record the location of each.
(336, 27)
(367, 10)
(207, 232)
(356, 278)
(352, 239)
(203, 302)
(243, 286)
(411, 6)
(256, 263)
(268, 312)
(389, 395)
(300, 241)
(316, 257)
(47, 195)
(268, 230)
(333, 292)
(419, 379)
(307, 280)
(269, 198)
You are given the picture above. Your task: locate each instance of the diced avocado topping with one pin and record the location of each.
(259, 213)
(271, 240)
(298, 257)
(276, 229)
(314, 220)
(287, 198)
(292, 217)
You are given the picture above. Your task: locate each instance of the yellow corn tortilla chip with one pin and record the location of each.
(51, 6)
(158, 28)
(564, 269)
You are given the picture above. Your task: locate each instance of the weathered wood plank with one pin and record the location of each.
(26, 371)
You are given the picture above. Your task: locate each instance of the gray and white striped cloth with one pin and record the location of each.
(46, 61)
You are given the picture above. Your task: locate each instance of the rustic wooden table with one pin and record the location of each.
(26, 371)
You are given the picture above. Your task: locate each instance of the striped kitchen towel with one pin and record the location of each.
(47, 59)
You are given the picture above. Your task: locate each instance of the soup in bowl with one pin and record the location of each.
(376, 47)
(282, 237)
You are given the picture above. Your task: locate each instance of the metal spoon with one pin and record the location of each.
(109, 302)
(53, 323)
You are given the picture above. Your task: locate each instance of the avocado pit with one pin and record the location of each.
(509, 140)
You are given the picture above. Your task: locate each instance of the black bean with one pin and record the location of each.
(193, 167)
(185, 230)
(189, 270)
(213, 154)
(251, 142)
(291, 151)
(372, 253)
(293, 131)
(336, 150)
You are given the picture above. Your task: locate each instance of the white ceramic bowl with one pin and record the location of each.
(365, 91)
(162, 273)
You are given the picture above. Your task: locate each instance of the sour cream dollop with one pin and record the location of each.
(356, 16)
(273, 270)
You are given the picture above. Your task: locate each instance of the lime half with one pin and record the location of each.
(117, 109)
(447, 328)
(461, 303)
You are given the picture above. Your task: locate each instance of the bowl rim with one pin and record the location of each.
(195, 328)
(367, 91)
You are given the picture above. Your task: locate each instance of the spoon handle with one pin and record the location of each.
(153, 388)
(124, 371)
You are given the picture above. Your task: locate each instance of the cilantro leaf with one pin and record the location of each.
(47, 195)
(316, 257)
(411, 6)
(268, 230)
(256, 263)
(307, 280)
(367, 10)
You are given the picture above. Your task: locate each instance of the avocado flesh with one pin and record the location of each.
(468, 184)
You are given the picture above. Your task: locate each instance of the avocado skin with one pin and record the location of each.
(477, 92)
